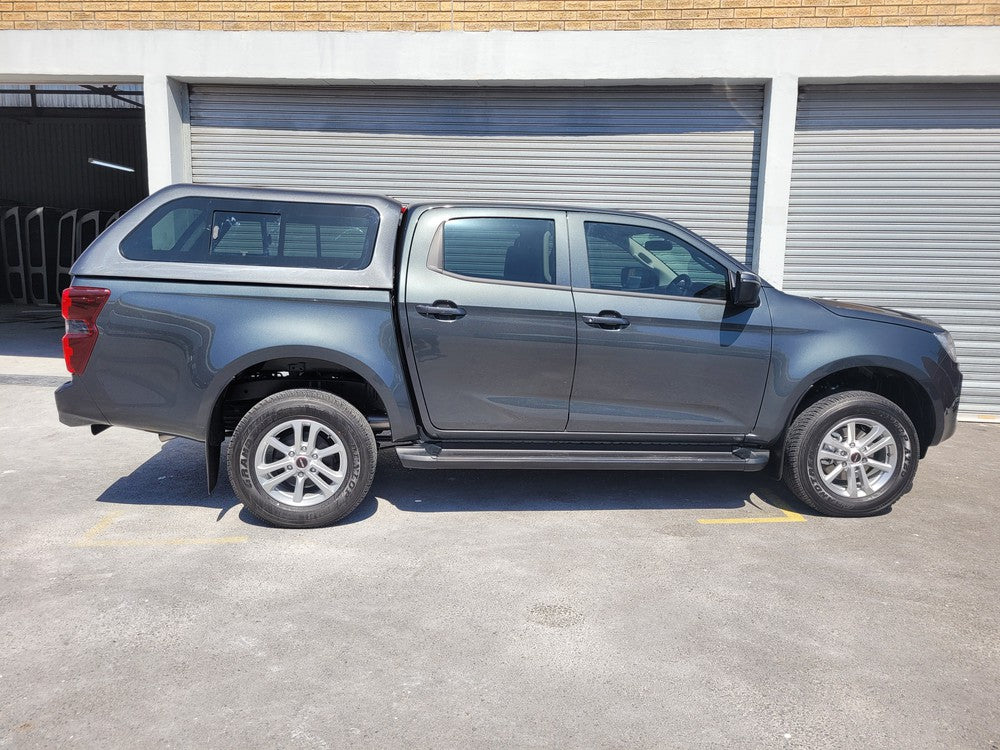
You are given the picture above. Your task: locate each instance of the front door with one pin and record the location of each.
(660, 349)
(490, 319)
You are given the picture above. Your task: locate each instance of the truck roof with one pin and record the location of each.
(186, 190)
(104, 259)
(421, 205)
(181, 190)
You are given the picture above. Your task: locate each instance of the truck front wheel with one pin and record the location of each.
(851, 454)
(302, 458)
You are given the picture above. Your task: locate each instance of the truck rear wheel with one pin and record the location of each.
(851, 454)
(302, 458)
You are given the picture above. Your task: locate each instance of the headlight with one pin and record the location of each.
(948, 343)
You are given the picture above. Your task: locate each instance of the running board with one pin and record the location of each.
(436, 457)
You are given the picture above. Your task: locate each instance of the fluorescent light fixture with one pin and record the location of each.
(109, 165)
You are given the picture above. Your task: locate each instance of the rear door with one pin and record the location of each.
(660, 349)
(490, 319)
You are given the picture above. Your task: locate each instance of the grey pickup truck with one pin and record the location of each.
(313, 329)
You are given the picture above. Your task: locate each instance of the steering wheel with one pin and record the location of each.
(679, 287)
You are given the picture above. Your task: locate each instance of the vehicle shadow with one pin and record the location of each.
(28, 331)
(175, 476)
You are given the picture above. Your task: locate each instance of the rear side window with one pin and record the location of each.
(199, 230)
(340, 238)
(244, 236)
(176, 231)
(501, 249)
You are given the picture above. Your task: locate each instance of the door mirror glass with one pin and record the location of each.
(745, 291)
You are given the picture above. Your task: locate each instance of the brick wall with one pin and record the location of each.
(484, 15)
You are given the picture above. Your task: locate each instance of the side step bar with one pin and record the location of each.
(436, 457)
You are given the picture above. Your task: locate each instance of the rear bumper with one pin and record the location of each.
(76, 407)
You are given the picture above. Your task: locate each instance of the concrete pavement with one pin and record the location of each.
(483, 609)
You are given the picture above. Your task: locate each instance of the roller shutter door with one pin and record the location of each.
(895, 201)
(685, 153)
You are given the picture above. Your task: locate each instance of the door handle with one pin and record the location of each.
(442, 309)
(608, 320)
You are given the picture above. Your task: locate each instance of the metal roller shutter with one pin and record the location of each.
(686, 153)
(895, 201)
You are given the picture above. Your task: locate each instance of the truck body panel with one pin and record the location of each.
(167, 350)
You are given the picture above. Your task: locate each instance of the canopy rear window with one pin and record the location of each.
(259, 233)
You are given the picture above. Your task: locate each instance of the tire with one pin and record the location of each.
(862, 470)
(328, 473)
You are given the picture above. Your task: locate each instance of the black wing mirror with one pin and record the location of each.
(745, 291)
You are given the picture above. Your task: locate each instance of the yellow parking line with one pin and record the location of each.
(90, 537)
(788, 517)
(102, 525)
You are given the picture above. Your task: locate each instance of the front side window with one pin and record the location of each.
(624, 258)
(501, 249)
(259, 233)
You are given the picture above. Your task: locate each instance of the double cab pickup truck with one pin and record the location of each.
(314, 329)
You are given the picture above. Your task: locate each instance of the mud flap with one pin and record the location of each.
(213, 446)
(213, 452)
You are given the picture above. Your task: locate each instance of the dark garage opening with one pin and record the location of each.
(72, 159)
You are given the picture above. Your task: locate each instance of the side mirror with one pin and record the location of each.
(745, 291)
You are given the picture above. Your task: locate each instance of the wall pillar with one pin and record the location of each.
(168, 153)
(775, 178)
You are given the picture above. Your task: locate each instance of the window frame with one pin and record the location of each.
(580, 259)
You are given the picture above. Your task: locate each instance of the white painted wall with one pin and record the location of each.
(494, 57)
(775, 177)
(165, 60)
(167, 130)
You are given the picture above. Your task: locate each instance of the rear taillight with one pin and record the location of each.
(80, 307)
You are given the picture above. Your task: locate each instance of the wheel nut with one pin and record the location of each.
(301, 474)
(312, 469)
(315, 455)
(291, 453)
